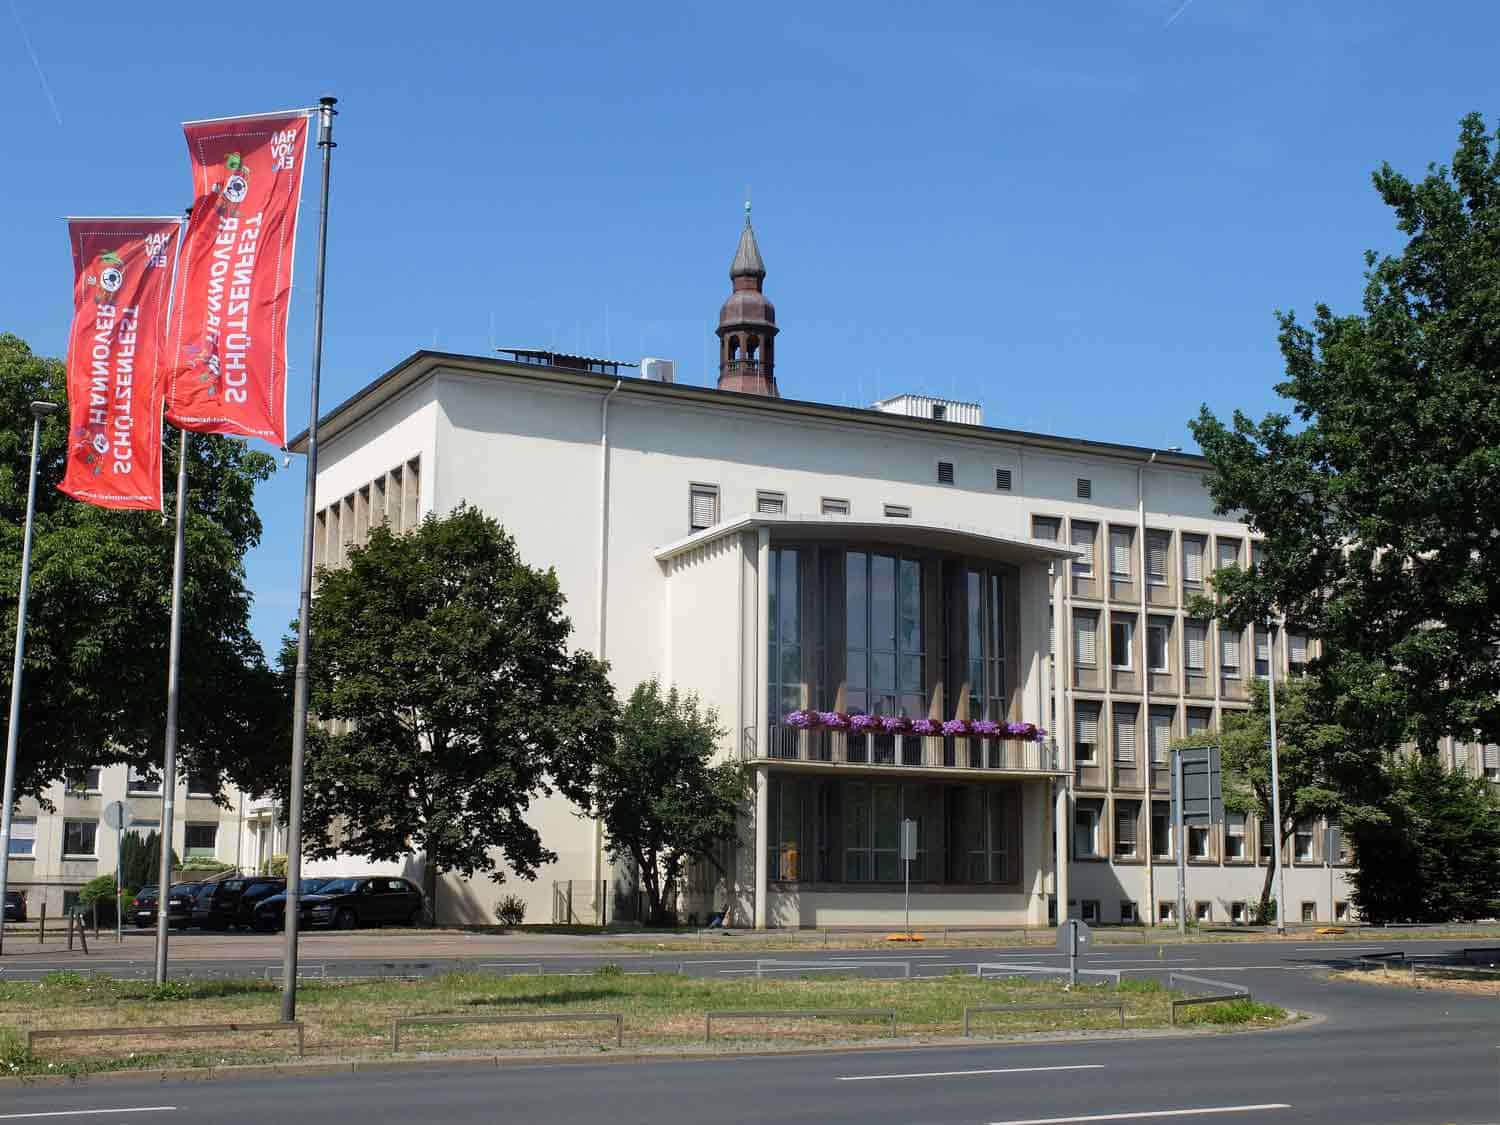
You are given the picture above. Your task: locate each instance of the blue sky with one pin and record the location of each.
(1081, 214)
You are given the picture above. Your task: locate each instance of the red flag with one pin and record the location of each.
(227, 366)
(122, 273)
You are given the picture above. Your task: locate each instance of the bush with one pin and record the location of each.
(276, 865)
(511, 910)
(207, 866)
(1232, 1011)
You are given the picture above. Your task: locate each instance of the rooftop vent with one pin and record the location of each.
(658, 370)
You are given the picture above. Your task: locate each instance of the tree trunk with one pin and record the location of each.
(430, 887)
(1265, 892)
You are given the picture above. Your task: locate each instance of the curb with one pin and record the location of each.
(1297, 1020)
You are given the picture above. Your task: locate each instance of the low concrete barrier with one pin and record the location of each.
(34, 1034)
(1120, 1007)
(797, 1013)
(575, 1017)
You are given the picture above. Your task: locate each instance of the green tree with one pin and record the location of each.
(1379, 494)
(662, 800)
(441, 659)
(1310, 751)
(1435, 856)
(133, 870)
(97, 630)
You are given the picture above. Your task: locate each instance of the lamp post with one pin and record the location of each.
(1276, 791)
(39, 410)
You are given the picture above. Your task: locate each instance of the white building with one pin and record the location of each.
(773, 554)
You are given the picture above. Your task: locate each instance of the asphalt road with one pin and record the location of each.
(1377, 1055)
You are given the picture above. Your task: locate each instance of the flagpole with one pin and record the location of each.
(326, 114)
(169, 755)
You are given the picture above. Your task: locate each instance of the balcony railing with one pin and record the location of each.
(840, 748)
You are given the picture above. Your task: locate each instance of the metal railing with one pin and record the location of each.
(1103, 1006)
(1231, 992)
(784, 743)
(172, 1030)
(574, 1017)
(797, 1013)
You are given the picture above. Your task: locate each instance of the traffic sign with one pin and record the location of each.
(117, 815)
(1202, 787)
(1073, 938)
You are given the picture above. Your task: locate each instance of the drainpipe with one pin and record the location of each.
(1140, 523)
(601, 602)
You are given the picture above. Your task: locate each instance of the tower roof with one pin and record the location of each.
(747, 260)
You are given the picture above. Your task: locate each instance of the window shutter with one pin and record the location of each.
(1125, 817)
(1052, 632)
(1002, 481)
(1083, 536)
(1229, 555)
(1084, 643)
(1229, 649)
(1262, 646)
(1119, 552)
(1043, 528)
(1492, 757)
(1161, 736)
(1087, 722)
(1460, 756)
(1125, 738)
(770, 503)
(832, 507)
(1192, 560)
(1195, 647)
(705, 508)
(1156, 558)
(1297, 643)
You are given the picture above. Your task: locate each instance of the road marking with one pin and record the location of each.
(87, 1112)
(1201, 1111)
(1336, 945)
(961, 1073)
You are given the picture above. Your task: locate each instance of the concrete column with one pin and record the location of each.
(1062, 818)
(762, 815)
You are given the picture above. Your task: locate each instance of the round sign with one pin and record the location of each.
(117, 815)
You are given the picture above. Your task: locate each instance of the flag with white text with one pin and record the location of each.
(122, 275)
(227, 353)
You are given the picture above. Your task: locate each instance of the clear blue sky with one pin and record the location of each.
(1081, 214)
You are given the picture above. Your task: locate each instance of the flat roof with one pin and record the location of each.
(424, 362)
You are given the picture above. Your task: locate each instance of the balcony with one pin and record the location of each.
(841, 750)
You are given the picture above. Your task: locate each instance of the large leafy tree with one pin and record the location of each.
(1436, 856)
(447, 699)
(662, 800)
(1379, 493)
(95, 681)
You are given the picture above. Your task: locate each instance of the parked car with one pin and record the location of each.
(365, 900)
(143, 906)
(180, 904)
(15, 906)
(231, 902)
(269, 913)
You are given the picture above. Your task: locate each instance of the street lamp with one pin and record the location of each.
(39, 410)
(1276, 789)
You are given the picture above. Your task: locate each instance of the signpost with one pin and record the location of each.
(1197, 797)
(1073, 938)
(908, 853)
(117, 816)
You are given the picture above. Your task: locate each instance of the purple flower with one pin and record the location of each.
(863, 724)
(986, 728)
(958, 728)
(833, 720)
(802, 720)
(926, 726)
(895, 724)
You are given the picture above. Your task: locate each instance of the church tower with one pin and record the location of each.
(747, 324)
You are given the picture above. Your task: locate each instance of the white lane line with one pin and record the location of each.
(961, 1073)
(1143, 1115)
(1335, 945)
(87, 1112)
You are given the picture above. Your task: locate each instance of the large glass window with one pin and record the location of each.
(986, 629)
(79, 837)
(984, 827)
(784, 829)
(23, 835)
(886, 647)
(872, 833)
(785, 633)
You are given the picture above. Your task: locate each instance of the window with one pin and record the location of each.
(1085, 732)
(144, 782)
(985, 827)
(1083, 539)
(1340, 911)
(1492, 763)
(1192, 560)
(1257, 554)
(1127, 817)
(985, 609)
(1047, 528)
(1303, 843)
(84, 781)
(1262, 652)
(1229, 653)
(784, 635)
(70, 902)
(1296, 652)
(885, 656)
(1203, 911)
(1234, 836)
(1119, 552)
(1267, 831)
(1159, 645)
(1161, 830)
(79, 837)
(703, 506)
(1199, 720)
(1085, 488)
(872, 832)
(200, 839)
(1237, 913)
(1195, 647)
(1229, 554)
(1128, 915)
(1460, 757)
(1166, 912)
(784, 830)
(1124, 732)
(1197, 835)
(1162, 719)
(1158, 549)
(1086, 830)
(1002, 480)
(1121, 640)
(22, 836)
(1088, 910)
(897, 512)
(835, 507)
(1085, 638)
(202, 784)
(945, 472)
(770, 503)
(1309, 912)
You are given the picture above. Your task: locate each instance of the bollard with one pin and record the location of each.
(95, 905)
(41, 927)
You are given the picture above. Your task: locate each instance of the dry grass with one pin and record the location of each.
(1430, 978)
(661, 1011)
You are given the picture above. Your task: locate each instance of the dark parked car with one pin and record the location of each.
(143, 906)
(15, 906)
(365, 900)
(230, 902)
(269, 913)
(180, 904)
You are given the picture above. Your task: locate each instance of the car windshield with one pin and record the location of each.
(339, 887)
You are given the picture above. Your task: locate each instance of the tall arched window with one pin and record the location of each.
(734, 348)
